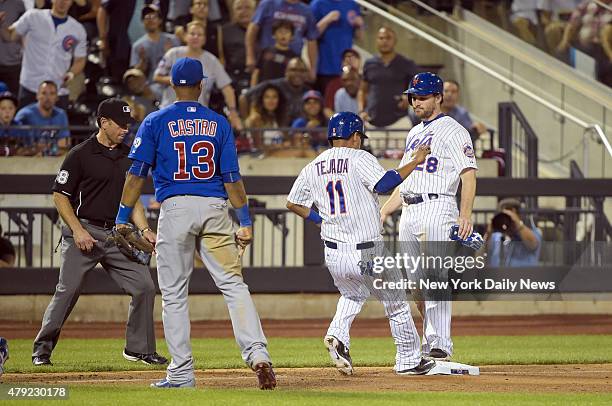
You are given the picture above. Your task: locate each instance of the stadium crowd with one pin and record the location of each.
(59, 58)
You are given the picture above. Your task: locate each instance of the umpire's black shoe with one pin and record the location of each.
(438, 355)
(149, 359)
(41, 360)
(424, 367)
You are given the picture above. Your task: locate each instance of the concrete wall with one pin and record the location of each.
(91, 308)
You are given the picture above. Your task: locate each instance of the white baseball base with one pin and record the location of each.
(453, 368)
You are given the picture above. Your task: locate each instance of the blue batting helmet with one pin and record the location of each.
(423, 84)
(344, 124)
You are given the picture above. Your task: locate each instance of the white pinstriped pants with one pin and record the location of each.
(355, 289)
(431, 221)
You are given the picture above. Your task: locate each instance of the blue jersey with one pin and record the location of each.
(189, 147)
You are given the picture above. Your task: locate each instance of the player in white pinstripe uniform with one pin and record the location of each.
(343, 182)
(428, 194)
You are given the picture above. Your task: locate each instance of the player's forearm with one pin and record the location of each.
(131, 190)
(407, 169)
(236, 193)
(66, 212)
(392, 204)
(468, 192)
(138, 216)
(301, 211)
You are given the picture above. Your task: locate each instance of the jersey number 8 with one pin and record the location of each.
(206, 159)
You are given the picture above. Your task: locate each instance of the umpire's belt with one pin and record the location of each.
(98, 223)
(360, 246)
(416, 199)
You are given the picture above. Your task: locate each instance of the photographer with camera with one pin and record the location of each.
(510, 242)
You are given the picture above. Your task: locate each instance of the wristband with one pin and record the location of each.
(123, 215)
(314, 217)
(144, 230)
(244, 217)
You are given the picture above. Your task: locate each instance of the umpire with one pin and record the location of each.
(86, 192)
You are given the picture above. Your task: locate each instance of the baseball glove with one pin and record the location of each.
(132, 244)
(473, 241)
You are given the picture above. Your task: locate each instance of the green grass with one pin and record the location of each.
(73, 355)
(112, 395)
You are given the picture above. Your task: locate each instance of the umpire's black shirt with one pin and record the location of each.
(92, 176)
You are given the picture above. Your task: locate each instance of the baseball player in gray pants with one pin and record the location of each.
(192, 154)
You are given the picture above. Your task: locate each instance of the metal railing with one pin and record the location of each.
(519, 142)
(601, 227)
(36, 233)
(281, 240)
(401, 19)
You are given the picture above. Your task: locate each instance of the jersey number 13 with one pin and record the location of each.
(205, 168)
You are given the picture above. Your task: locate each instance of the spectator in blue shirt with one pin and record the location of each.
(312, 117)
(337, 22)
(509, 241)
(451, 108)
(44, 113)
(260, 30)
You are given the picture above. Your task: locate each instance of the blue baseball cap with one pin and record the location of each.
(187, 72)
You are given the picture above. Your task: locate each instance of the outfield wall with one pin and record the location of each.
(114, 308)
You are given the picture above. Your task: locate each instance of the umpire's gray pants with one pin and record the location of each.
(187, 223)
(132, 278)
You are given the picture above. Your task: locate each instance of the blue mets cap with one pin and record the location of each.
(187, 72)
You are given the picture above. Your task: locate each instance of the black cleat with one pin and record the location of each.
(339, 355)
(438, 355)
(149, 359)
(41, 360)
(424, 367)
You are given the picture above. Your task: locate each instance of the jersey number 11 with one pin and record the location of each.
(332, 197)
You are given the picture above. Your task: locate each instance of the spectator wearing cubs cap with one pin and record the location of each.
(55, 47)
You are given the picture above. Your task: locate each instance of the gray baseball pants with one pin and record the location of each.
(132, 278)
(186, 224)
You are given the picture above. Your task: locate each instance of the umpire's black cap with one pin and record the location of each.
(116, 110)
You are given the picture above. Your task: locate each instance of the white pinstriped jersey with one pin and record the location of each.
(451, 153)
(340, 182)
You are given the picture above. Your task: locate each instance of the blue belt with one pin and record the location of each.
(360, 246)
(416, 199)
